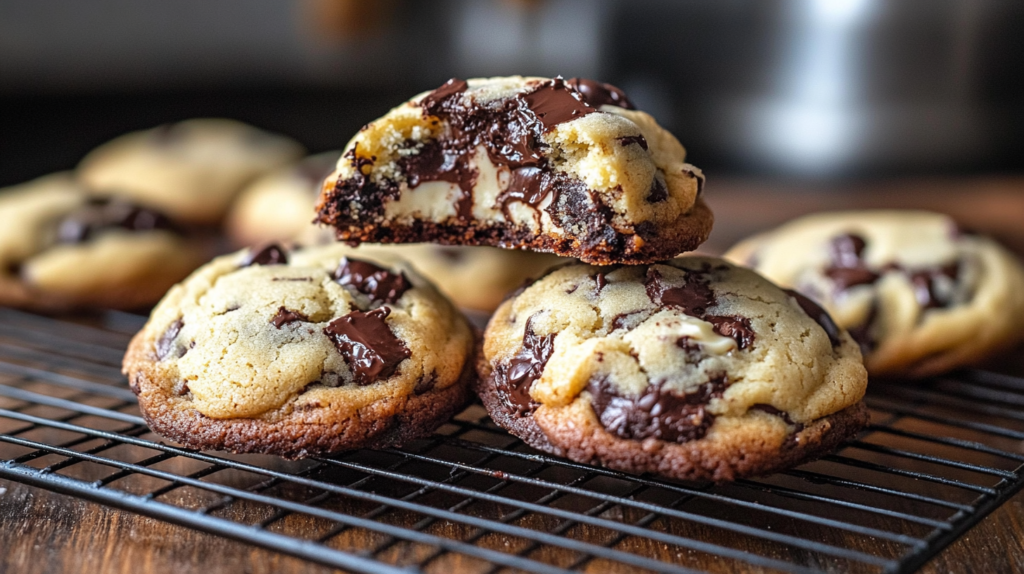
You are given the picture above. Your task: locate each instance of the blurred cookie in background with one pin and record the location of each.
(189, 170)
(919, 293)
(61, 249)
(279, 205)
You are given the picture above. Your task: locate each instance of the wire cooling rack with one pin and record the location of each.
(938, 457)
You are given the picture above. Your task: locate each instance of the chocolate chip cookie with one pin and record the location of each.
(189, 170)
(561, 166)
(693, 368)
(279, 205)
(300, 352)
(920, 294)
(61, 249)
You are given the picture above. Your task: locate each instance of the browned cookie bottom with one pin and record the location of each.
(746, 448)
(297, 432)
(601, 246)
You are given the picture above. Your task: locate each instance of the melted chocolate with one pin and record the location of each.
(287, 317)
(658, 192)
(779, 413)
(270, 254)
(165, 344)
(513, 380)
(369, 346)
(925, 285)
(863, 333)
(848, 268)
(425, 383)
(655, 413)
(554, 103)
(694, 298)
(629, 140)
(598, 94)
(820, 316)
(100, 214)
(369, 279)
(447, 90)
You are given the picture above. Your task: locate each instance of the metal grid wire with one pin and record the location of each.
(939, 456)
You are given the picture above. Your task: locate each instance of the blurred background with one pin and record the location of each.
(818, 93)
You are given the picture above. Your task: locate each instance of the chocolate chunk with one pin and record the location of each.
(555, 103)
(781, 414)
(435, 163)
(820, 316)
(598, 94)
(655, 413)
(864, 333)
(99, 214)
(450, 88)
(270, 254)
(165, 344)
(373, 280)
(513, 380)
(848, 268)
(287, 317)
(691, 348)
(369, 346)
(629, 140)
(601, 280)
(425, 383)
(623, 320)
(694, 298)
(658, 192)
(926, 285)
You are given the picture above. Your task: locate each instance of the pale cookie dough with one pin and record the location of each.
(300, 352)
(563, 166)
(693, 368)
(921, 295)
(190, 170)
(279, 207)
(61, 249)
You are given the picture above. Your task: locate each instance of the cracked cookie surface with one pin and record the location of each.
(920, 294)
(61, 249)
(562, 166)
(693, 368)
(300, 352)
(190, 170)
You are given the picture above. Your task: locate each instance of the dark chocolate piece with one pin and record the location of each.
(598, 94)
(373, 280)
(513, 380)
(270, 254)
(629, 140)
(553, 103)
(165, 344)
(925, 283)
(287, 317)
(694, 298)
(658, 192)
(779, 413)
(447, 90)
(655, 413)
(99, 214)
(864, 333)
(425, 383)
(369, 346)
(820, 316)
(848, 268)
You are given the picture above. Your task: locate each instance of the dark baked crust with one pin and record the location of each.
(291, 432)
(602, 246)
(767, 446)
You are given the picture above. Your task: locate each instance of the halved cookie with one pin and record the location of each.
(300, 353)
(563, 166)
(693, 368)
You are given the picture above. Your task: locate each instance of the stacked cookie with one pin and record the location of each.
(132, 220)
(688, 367)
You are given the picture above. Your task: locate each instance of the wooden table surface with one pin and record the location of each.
(42, 532)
